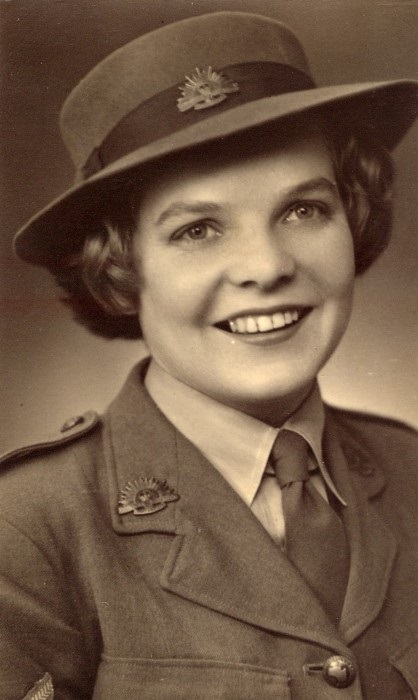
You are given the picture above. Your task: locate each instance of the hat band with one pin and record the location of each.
(160, 115)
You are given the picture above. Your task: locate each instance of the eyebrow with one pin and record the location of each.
(178, 208)
(317, 183)
(202, 207)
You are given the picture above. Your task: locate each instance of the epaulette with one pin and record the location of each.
(71, 430)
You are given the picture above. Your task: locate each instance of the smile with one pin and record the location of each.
(262, 323)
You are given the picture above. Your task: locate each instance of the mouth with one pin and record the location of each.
(252, 324)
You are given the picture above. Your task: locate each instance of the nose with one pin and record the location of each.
(260, 259)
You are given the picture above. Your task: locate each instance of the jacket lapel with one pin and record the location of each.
(139, 443)
(225, 560)
(372, 545)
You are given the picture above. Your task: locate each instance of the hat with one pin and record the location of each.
(184, 85)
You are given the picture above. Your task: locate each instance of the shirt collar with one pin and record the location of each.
(241, 451)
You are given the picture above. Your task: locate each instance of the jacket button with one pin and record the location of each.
(339, 671)
(71, 423)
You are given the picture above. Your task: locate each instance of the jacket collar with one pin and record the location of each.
(219, 546)
(372, 545)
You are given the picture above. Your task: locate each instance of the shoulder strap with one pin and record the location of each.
(71, 430)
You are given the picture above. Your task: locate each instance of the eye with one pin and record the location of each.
(196, 232)
(200, 231)
(305, 210)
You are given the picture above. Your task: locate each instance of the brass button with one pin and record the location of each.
(339, 671)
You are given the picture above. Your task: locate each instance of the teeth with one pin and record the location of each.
(279, 320)
(241, 325)
(264, 323)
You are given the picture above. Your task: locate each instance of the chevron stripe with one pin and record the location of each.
(42, 690)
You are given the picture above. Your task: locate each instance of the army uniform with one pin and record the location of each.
(194, 599)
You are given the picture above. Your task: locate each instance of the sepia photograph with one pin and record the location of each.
(209, 386)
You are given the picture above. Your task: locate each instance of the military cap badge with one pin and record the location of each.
(204, 88)
(144, 496)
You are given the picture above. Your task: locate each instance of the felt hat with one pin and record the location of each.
(190, 83)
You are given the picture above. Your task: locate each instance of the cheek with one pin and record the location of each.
(178, 287)
(335, 266)
(344, 264)
(170, 293)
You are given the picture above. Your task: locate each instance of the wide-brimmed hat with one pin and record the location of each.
(184, 85)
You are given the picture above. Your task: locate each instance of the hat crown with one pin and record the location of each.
(154, 62)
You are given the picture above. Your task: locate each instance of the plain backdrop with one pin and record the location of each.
(50, 367)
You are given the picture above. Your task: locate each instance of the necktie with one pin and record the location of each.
(315, 540)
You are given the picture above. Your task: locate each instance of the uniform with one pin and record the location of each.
(195, 600)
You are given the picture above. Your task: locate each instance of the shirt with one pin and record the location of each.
(241, 452)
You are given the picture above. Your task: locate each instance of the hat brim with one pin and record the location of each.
(388, 108)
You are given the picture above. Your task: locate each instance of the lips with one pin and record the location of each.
(262, 322)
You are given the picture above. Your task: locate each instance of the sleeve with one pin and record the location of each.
(43, 654)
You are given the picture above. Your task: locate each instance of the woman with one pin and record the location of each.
(219, 532)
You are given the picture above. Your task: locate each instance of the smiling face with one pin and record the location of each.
(246, 272)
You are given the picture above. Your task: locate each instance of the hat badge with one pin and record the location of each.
(205, 88)
(144, 496)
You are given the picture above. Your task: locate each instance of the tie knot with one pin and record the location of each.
(289, 458)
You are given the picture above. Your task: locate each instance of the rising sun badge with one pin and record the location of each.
(204, 88)
(144, 496)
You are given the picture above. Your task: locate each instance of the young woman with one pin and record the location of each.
(219, 532)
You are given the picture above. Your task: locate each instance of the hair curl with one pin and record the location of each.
(101, 283)
(364, 171)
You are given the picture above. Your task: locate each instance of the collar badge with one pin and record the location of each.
(204, 88)
(144, 496)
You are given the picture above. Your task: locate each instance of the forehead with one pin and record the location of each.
(284, 160)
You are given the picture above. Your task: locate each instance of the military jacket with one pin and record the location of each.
(108, 592)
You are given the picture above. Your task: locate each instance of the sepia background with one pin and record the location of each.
(50, 367)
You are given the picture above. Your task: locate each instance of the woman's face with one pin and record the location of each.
(246, 272)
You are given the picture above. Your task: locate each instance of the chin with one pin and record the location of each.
(255, 395)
